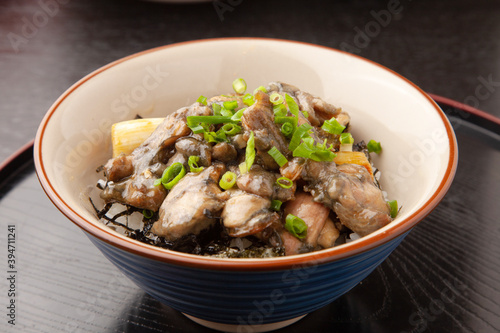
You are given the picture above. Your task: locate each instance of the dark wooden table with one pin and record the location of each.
(443, 278)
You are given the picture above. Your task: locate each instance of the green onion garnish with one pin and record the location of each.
(248, 99)
(298, 134)
(284, 182)
(287, 129)
(230, 129)
(193, 121)
(147, 213)
(316, 152)
(374, 147)
(393, 206)
(226, 113)
(292, 105)
(261, 88)
(346, 139)
(276, 205)
(237, 116)
(278, 156)
(230, 105)
(239, 86)
(193, 164)
(228, 180)
(332, 126)
(215, 137)
(249, 154)
(200, 128)
(172, 175)
(296, 226)
(276, 98)
(279, 110)
(202, 99)
(284, 119)
(216, 107)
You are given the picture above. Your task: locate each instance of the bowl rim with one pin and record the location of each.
(243, 264)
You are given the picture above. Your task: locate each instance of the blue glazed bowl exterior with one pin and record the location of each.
(242, 297)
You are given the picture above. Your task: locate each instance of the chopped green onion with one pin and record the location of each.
(346, 138)
(243, 168)
(216, 107)
(276, 98)
(346, 141)
(282, 120)
(228, 180)
(292, 105)
(230, 129)
(226, 113)
(238, 114)
(193, 164)
(202, 99)
(249, 154)
(279, 110)
(195, 120)
(215, 137)
(296, 226)
(248, 99)
(261, 88)
(316, 152)
(374, 147)
(278, 156)
(172, 175)
(200, 128)
(239, 86)
(332, 126)
(230, 105)
(276, 205)
(393, 206)
(147, 213)
(284, 182)
(298, 134)
(287, 129)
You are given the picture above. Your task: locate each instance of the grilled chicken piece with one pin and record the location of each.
(312, 213)
(131, 178)
(293, 169)
(318, 109)
(220, 99)
(224, 152)
(292, 244)
(263, 183)
(259, 118)
(191, 205)
(328, 234)
(247, 214)
(190, 146)
(349, 190)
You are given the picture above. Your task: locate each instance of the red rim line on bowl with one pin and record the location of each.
(366, 243)
(465, 107)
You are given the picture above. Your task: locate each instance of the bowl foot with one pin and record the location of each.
(244, 328)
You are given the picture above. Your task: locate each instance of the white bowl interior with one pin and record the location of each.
(383, 106)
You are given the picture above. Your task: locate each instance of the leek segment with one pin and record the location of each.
(130, 134)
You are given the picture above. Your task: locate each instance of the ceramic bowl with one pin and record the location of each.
(418, 163)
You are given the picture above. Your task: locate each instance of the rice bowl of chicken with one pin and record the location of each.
(418, 163)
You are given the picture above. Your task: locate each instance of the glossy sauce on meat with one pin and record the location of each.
(331, 200)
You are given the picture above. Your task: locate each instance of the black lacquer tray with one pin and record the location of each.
(444, 277)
